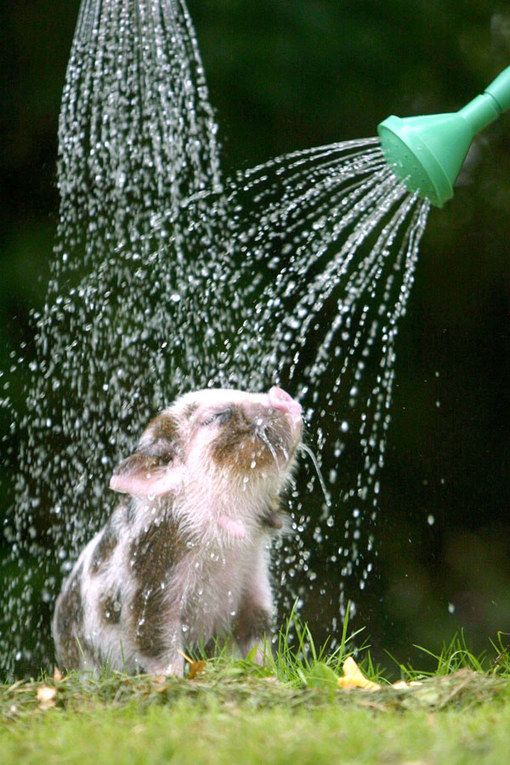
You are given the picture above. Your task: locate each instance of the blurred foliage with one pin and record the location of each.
(285, 75)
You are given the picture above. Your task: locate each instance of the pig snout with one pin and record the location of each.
(280, 400)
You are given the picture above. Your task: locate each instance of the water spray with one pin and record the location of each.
(428, 152)
(333, 239)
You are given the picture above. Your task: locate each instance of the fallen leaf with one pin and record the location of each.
(353, 677)
(160, 681)
(57, 675)
(196, 668)
(46, 696)
(402, 685)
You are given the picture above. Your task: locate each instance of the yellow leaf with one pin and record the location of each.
(46, 696)
(196, 668)
(353, 677)
(57, 675)
(403, 685)
(160, 681)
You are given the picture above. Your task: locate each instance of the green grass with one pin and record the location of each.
(287, 712)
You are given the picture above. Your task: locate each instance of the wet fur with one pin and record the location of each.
(185, 555)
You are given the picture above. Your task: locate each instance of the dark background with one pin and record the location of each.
(289, 74)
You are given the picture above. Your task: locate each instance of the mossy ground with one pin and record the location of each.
(288, 712)
(238, 715)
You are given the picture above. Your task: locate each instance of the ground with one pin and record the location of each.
(292, 711)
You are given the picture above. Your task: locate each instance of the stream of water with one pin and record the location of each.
(168, 278)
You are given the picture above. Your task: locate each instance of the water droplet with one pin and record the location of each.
(313, 295)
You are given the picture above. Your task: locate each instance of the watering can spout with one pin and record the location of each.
(428, 152)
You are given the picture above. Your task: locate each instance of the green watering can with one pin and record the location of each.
(427, 152)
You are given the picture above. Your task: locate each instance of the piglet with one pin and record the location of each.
(185, 555)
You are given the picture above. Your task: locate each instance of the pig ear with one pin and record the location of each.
(143, 476)
(154, 469)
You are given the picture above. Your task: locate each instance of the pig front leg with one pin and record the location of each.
(255, 615)
(158, 635)
(171, 663)
(168, 659)
(253, 629)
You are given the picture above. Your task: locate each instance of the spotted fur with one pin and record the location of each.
(185, 556)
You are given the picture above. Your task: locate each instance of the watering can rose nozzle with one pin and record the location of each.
(428, 152)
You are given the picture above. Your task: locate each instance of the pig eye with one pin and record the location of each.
(219, 417)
